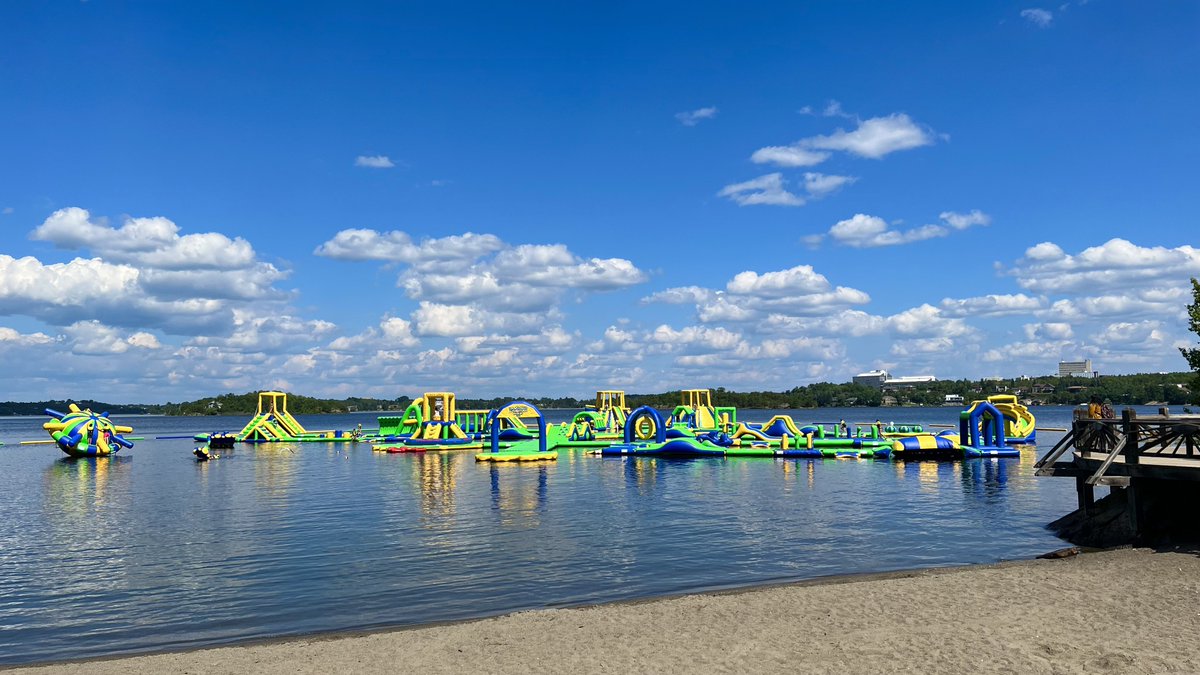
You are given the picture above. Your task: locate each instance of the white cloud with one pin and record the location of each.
(928, 321)
(769, 190)
(145, 273)
(834, 109)
(752, 297)
(96, 339)
(866, 231)
(374, 161)
(876, 137)
(680, 295)
(818, 185)
(447, 320)
(11, 337)
(693, 117)
(784, 283)
(994, 304)
(788, 156)
(8, 210)
(873, 138)
(145, 242)
(1050, 330)
(1115, 265)
(397, 246)
(554, 265)
(1039, 17)
(961, 221)
(1023, 354)
(924, 346)
(1138, 336)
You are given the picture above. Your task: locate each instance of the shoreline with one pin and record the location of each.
(1000, 617)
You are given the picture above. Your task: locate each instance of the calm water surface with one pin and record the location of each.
(150, 550)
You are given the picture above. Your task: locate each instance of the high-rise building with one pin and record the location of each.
(1075, 368)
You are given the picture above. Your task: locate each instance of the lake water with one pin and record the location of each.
(151, 550)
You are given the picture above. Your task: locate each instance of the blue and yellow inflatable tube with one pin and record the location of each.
(926, 446)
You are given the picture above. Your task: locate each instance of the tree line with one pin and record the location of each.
(1168, 388)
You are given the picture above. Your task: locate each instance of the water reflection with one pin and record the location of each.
(792, 468)
(434, 473)
(518, 495)
(986, 478)
(643, 473)
(275, 469)
(79, 486)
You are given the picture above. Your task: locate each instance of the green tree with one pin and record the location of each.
(1193, 355)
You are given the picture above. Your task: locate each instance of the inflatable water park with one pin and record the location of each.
(998, 426)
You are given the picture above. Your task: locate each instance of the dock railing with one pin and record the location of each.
(1128, 446)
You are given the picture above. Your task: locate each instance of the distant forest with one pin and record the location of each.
(1167, 388)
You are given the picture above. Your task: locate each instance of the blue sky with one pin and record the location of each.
(545, 199)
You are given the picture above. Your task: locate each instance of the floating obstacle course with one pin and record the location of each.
(273, 423)
(518, 431)
(437, 426)
(600, 424)
(696, 411)
(507, 423)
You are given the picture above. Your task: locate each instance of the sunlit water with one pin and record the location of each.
(151, 550)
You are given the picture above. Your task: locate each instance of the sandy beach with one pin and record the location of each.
(1037, 616)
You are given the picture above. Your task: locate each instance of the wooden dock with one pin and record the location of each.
(1155, 459)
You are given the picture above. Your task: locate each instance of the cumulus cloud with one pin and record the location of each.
(143, 273)
(1132, 336)
(95, 338)
(873, 138)
(12, 337)
(153, 243)
(783, 283)
(961, 221)
(1116, 264)
(1049, 330)
(693, 117)
(374, 161)
(1039, 17)
(397, 246)
(928, 321)
(876, 137)
(789, 156)
(752, 296)
(770, 189)
(680, 295)
(818, 184)
(866, 231)
(994, 304)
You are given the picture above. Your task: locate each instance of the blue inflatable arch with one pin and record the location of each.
(494, 424)
(982, 427)
(660, 427)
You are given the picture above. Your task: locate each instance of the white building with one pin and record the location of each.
(908, 382)
(1075, 368)
(872, 378)
(881, 379)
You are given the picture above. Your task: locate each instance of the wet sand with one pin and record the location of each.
(1124, 611)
